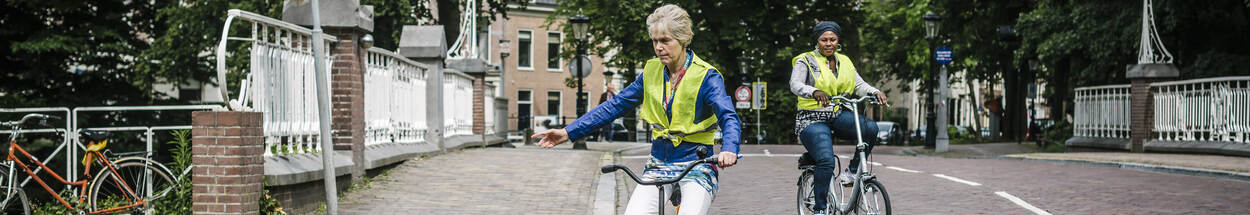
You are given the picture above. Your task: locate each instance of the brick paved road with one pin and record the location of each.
(484, 181)
(765, 185)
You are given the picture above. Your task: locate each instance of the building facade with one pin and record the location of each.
(535, 76)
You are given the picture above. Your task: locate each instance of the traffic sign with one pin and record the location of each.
(582, 72)
(944, 55)
(743, 94)
(758, 101)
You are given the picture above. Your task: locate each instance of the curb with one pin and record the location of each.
(605, 202)
(1149, 167)
(605, 192)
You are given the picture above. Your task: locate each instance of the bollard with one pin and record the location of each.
(528, 133)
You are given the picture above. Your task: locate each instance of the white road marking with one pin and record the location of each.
(844, 157)
(902, 170)
(767, 153)
(1021, 203)
(957, 180)
(875, 163)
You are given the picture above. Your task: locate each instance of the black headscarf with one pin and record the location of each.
(824, 26)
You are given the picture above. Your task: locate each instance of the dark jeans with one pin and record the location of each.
(819, 143)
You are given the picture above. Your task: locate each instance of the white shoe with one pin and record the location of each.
(847, 178)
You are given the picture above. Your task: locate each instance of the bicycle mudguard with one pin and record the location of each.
(675, 197)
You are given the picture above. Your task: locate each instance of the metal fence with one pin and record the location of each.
(280, 81)
(1102, 111)
(457, 104)
(394, 98)
(1211, 109)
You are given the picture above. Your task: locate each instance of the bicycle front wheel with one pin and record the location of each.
(138, 178)
(806, 198)
(874, 201)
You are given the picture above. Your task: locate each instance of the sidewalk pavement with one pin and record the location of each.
(493, 180)
(1189, 164)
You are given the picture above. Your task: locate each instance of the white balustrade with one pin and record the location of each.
(1211, 109)
(1102, 111)
(457, 104)
(394, 98)
(280, 81)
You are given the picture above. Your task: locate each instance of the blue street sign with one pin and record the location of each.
(944, 55)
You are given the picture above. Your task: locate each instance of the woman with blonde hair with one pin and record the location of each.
(683, 99)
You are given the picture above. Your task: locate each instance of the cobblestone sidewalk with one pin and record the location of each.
(484, 181)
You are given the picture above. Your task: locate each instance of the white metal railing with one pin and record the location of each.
(394, 98)
(488, 110)
(280, 82)
(1102, 111)
(457, 104)
(1211, 109)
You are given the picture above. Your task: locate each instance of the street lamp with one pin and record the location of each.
(580, 24)
(931, 27)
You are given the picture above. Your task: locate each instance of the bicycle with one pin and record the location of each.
(865, 185)
(659, 184)
(122, 184)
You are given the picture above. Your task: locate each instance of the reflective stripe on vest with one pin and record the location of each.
(833, 85)
(682, 126)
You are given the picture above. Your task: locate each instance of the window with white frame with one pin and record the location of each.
(553, 51)
(525, 38)
(553, 103)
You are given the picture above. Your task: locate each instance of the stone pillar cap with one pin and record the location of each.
(334, 13)
(427, 41)
(1152, 70)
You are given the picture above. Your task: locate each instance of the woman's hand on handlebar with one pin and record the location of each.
(552, 137)
(727, 159)
(821, 97)
(882, 99)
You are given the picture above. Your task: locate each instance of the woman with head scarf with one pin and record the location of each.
(683, 100)
(815, 77)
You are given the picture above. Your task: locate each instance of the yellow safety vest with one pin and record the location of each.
(682, 126)
(844, 82)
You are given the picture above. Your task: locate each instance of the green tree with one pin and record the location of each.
(770, 33)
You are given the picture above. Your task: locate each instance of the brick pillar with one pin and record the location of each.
(1142, 113)
(227, 149)
(479, 103)
(348, 96)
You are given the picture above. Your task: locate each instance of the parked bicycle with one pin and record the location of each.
(865, 195)
(123, 184)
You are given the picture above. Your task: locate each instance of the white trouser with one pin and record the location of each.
(694, 199)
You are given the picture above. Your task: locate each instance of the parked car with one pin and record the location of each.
(919, 133)
(890, 133)
(619, 132)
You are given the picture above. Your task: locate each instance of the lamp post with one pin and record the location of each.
(931, 26)
(581, 24)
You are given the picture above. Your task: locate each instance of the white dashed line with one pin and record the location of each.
(902, 170)
(957, 180)
(1020, 202)
(844, 157)
(767, 153)
(875, 163)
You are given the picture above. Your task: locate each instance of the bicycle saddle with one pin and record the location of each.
(806, 161)
(94, 136)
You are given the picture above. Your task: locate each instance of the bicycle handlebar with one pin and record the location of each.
(843, 99)
(613, 168)
(43, 120)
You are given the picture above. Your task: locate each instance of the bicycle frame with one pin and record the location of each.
(862, 171)
(98, 158)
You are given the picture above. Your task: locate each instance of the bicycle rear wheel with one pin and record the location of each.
(142, 177)
(874, 200)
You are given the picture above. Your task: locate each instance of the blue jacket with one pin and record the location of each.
(714, 100)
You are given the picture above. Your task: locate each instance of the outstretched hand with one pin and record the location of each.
(552, 137)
